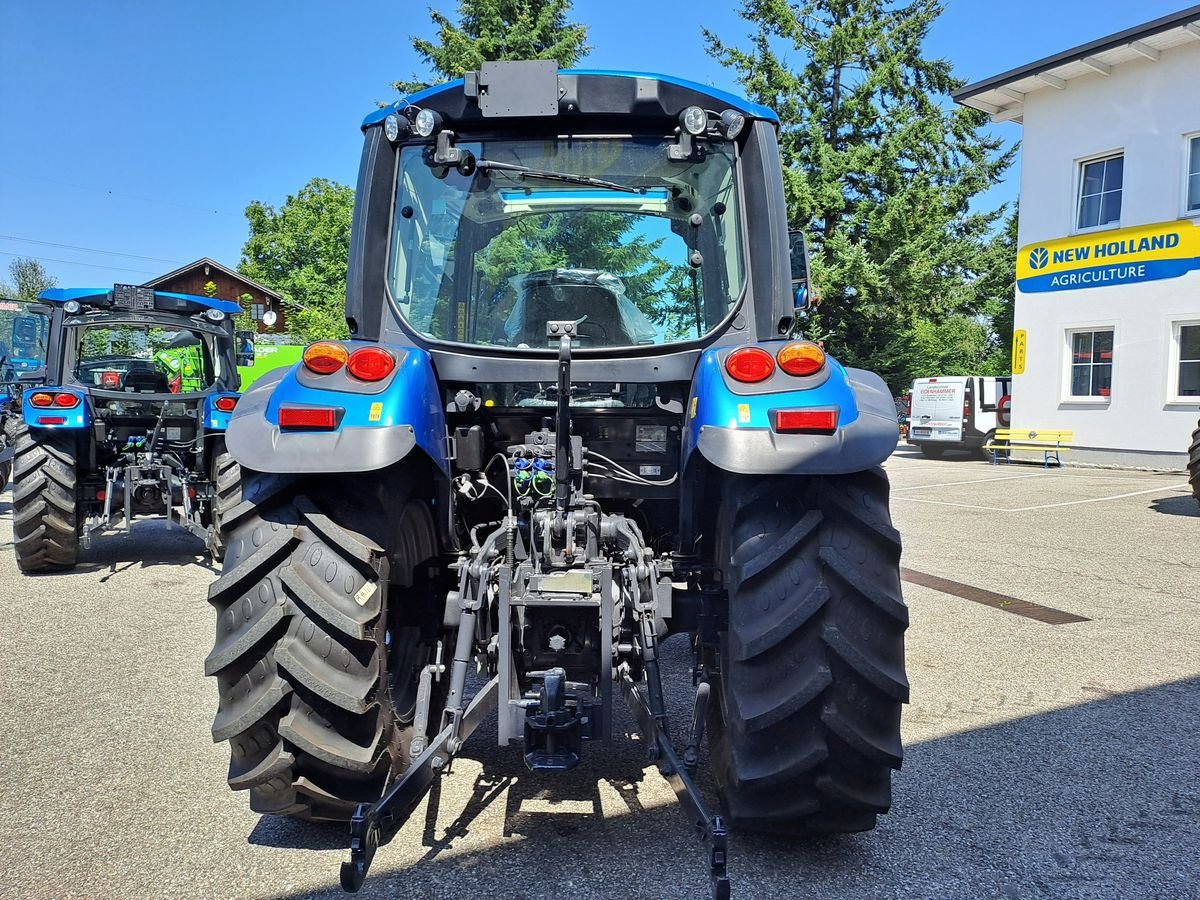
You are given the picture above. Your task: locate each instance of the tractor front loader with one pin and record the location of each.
(571, 421)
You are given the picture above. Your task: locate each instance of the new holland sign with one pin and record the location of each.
(1101, 259)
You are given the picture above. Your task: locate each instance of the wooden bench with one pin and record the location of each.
(1049, 441)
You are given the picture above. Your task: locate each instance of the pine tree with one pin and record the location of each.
(878, 166)
(490, 30)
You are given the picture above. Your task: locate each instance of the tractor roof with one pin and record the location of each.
(104, 297)
(668, 91)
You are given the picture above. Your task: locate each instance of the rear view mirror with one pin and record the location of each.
(245, 348)
(801, 290)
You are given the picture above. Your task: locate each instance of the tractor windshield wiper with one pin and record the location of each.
(486, 165)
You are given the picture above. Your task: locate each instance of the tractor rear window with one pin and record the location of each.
(139, 358)
(489, 258)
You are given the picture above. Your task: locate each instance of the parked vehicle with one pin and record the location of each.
(23, 328)
(957, 412)
(571, 420)
(129, 422)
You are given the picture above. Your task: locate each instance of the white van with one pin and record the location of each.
(958, 412)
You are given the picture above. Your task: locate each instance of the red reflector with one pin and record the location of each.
(101, 494)
(191, 493)
(225, 404)
(315, 417)
(371, 363)
(52, 420)
(66, 401)
(818, 421)
(750, 364)
(110, 380)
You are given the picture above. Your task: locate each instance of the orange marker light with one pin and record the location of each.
(749, 365)
(801, 358)
(325, 357)
(41, 401)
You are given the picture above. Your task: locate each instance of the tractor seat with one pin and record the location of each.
(145, 381)
(593, 307)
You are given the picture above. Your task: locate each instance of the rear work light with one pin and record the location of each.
(225, 404)
(801, 358)
(311, 418)
(371, 363)
(750, 365)
(804, 421)
(325, 357)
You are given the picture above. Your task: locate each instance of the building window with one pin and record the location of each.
(1192, 192)
(1100, 192)
(256, 310)
(1188, 376)
(1091, 363)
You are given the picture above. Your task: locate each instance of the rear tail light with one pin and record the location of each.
(225, 404)
(804, 421)
(371, 363)
(801, 358)
(312, 418)
(61, 400)
(750, 365)
(325, 357)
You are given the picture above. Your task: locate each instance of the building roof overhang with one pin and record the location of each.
(1003, 96)
(212, 263)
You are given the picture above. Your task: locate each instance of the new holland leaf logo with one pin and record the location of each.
(1038, 257)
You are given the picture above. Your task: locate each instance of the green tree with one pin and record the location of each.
(301, 250)
(878, 166)
(997, 285)
(29, 278)
(489, 30)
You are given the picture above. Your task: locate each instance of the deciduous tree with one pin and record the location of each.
(878, 164)
(301, 251)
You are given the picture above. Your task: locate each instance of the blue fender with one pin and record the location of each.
(731, 428)
(77, 416)
(376, 427)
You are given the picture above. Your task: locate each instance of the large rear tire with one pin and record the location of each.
(45, 508)
(226, 476)
(1194, 463)
(805, 729)
(325, 619)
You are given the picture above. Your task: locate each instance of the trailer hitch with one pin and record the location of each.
(710, 828)
(374, 824)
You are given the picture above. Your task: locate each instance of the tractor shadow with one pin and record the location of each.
(147, 545)
(1183, 505)
(1068, 802)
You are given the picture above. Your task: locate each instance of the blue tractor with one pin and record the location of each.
(23, 332)
(573, 419)
(128, 420)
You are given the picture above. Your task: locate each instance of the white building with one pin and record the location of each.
(1108, 271)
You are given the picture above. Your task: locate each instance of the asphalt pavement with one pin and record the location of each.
(1042, 760)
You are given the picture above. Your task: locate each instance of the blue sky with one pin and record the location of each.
(145, 129)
